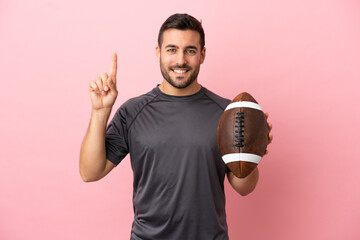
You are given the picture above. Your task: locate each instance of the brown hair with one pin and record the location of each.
(182, 22)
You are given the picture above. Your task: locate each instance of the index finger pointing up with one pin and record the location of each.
(113, 66)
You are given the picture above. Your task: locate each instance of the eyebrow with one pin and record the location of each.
(187, 47)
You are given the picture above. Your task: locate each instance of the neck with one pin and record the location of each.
(168, 89)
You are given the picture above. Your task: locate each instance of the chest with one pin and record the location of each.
(175, 146)
(172, 129)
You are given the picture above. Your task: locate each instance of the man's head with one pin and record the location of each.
(182, 22)
(181, 51)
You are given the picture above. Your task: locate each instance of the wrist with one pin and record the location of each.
(101, 114)
(101, 111)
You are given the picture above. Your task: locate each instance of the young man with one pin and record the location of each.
(170, 133)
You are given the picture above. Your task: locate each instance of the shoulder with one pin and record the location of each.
(132, 107)
(136, 103)
(220, 101)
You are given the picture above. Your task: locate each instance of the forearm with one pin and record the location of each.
(246, 185)
(93, 151)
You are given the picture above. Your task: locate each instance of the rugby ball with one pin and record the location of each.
(242, 135)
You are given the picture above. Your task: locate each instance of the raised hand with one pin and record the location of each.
(103, 90)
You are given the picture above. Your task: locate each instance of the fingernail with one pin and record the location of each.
(106, 88)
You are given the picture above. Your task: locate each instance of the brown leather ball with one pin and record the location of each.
(242, 135)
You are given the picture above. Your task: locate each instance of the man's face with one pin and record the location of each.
(180, 56)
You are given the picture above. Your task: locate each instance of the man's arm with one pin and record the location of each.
(93, 164)
(246, 185)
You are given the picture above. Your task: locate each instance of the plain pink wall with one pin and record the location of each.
(300, 59)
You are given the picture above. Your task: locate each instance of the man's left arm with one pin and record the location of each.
(246, 185)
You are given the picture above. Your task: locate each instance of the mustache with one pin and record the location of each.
(182, 66)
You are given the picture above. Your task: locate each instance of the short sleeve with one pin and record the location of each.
(116, 138)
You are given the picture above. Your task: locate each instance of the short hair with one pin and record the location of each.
(182, 22)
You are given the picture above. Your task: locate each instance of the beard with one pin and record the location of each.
(180, 82)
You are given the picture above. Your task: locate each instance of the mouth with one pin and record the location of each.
(180, 70)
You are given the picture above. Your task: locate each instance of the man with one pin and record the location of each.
(170, 133)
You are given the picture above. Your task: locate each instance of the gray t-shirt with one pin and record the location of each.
(178, 187)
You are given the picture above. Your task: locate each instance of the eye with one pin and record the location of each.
(190, 51)
(170, 50)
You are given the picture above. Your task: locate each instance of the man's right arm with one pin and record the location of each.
(93, 164)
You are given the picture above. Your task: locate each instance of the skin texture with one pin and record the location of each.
(180, 57)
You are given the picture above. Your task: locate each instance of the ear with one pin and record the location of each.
(203, 54)
(158, 52)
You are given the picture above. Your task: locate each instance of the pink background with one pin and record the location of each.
(300, 59)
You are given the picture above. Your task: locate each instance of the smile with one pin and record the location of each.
(180, 71)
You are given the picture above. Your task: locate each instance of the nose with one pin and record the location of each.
(181, 59)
